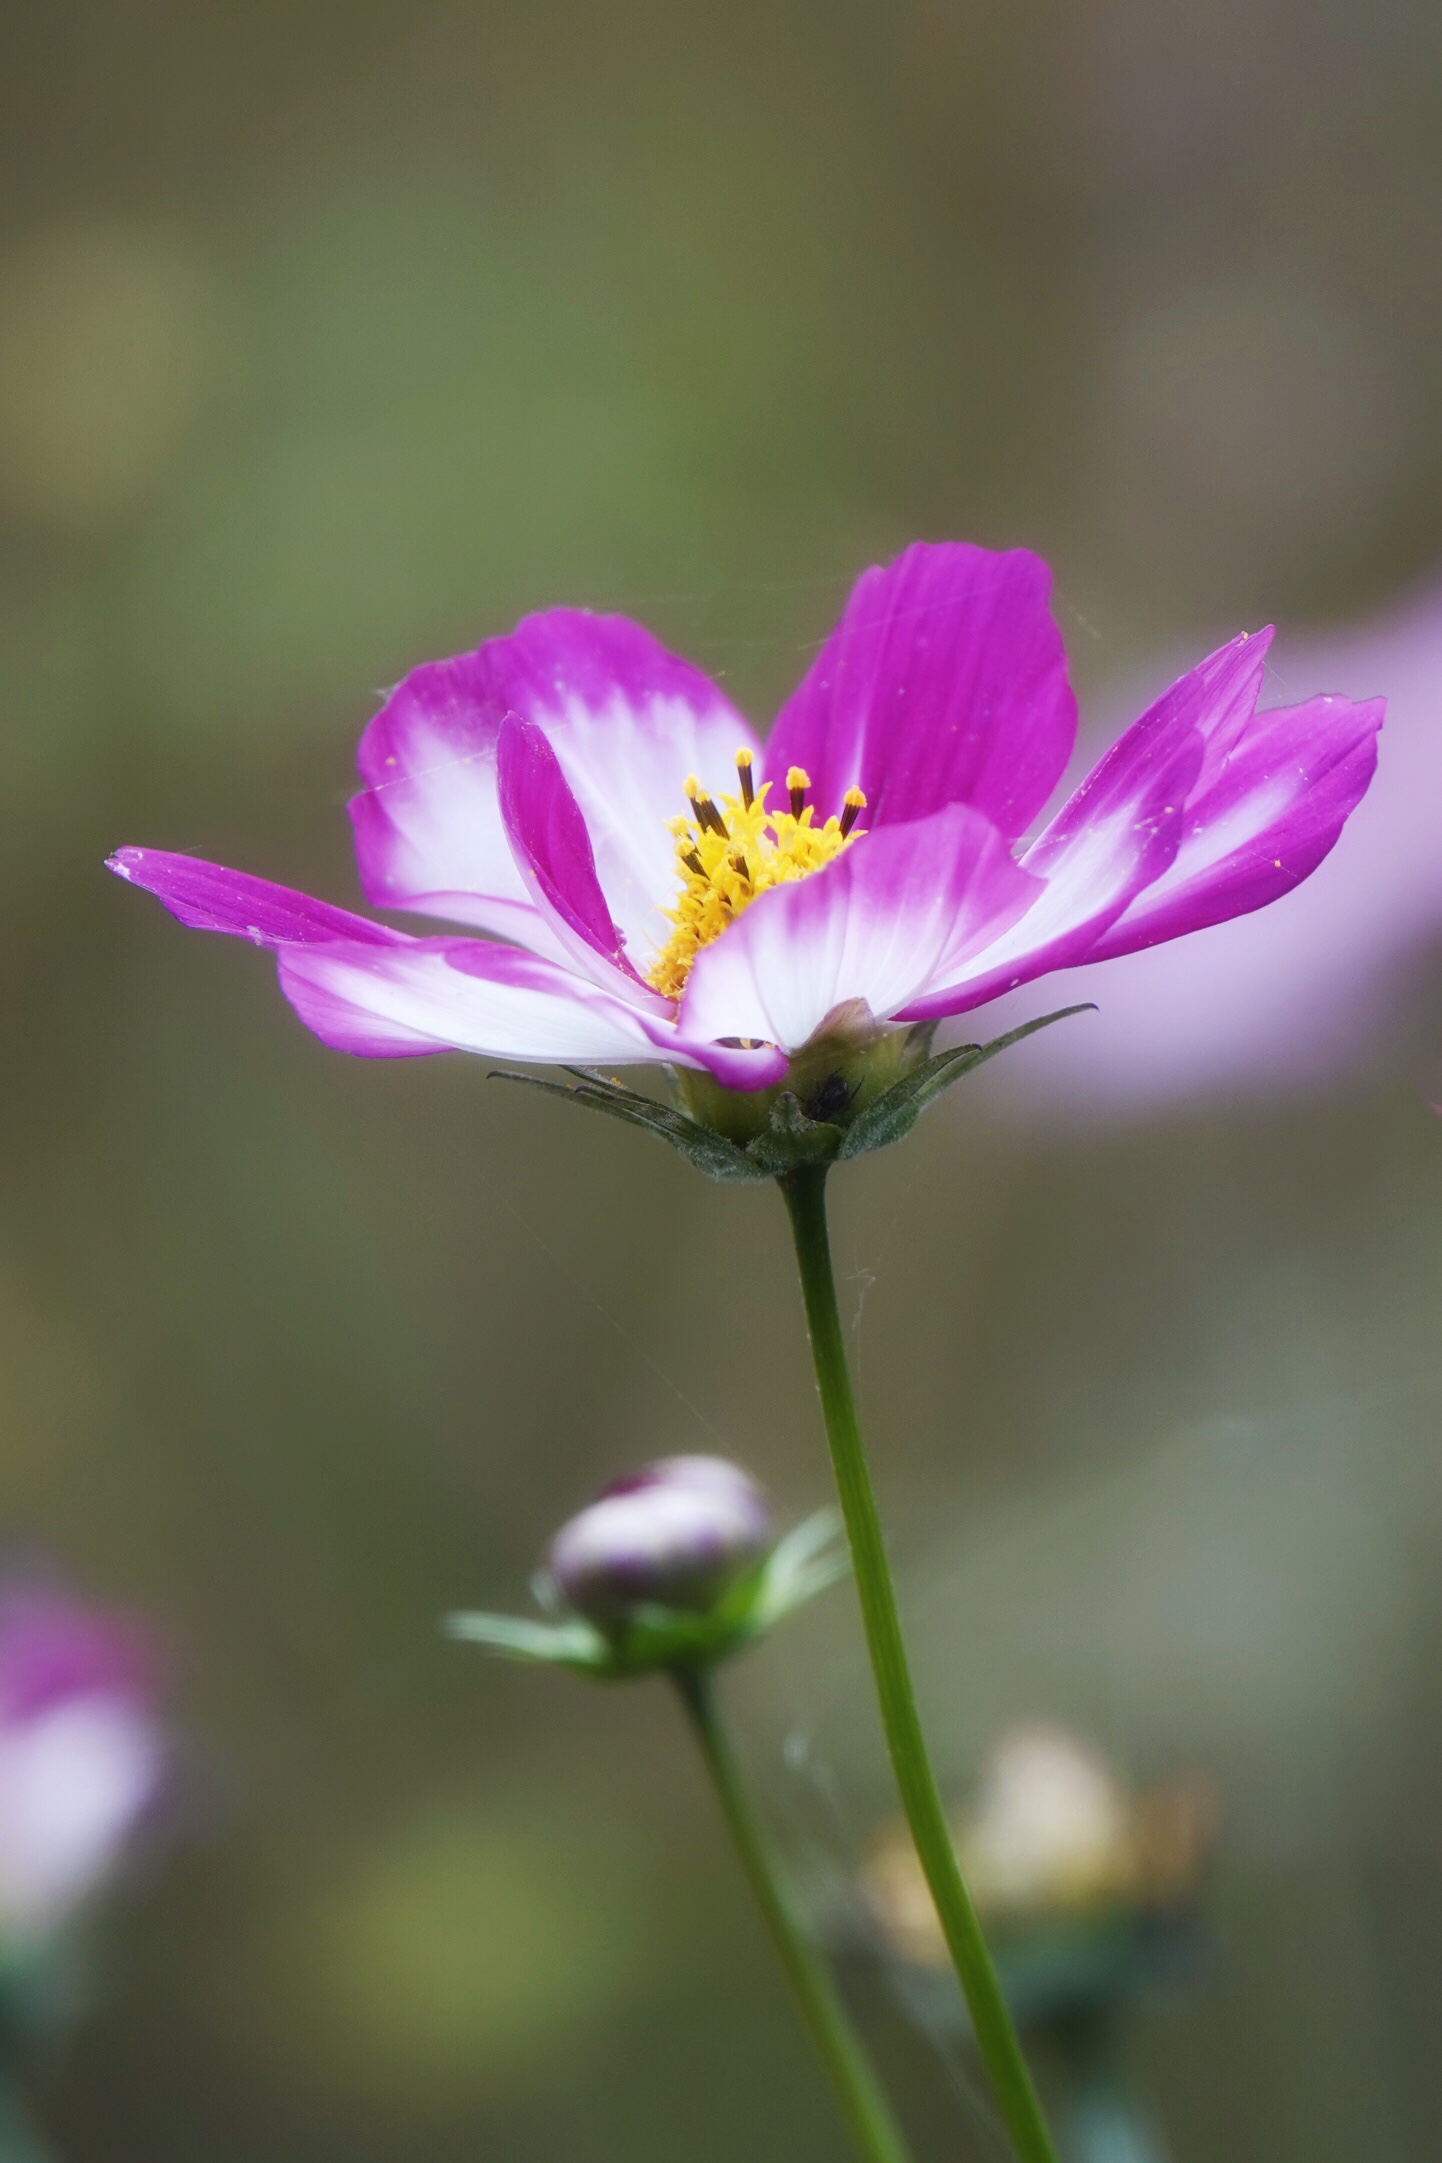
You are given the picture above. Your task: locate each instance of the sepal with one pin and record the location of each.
(892, 1116)
(786, 1137)
(806, 1562)
(573, 1643)
(792, 1140)
(811, 1558)
(706, 1151)
(788, 1141)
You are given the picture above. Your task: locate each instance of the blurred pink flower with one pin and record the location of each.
(81, 1755)
(1304, 990)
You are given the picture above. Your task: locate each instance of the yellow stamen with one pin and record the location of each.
(728, 854)
(852, 806)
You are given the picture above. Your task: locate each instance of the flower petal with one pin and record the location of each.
(553, 849)
(627, 720)
(75, 1779)
(1259, 821)
(366, 988)
(428, 830)
(753, 1065)
(450, 994)
(1110, 840)
(208, 897)
(944, 682)
(877, 924)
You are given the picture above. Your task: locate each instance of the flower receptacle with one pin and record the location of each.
(865, 1088)
(847, 1067)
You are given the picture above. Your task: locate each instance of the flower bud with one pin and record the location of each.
(676, 1534)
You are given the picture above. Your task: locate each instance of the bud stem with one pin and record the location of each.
(867, 2111)
(996, 2036)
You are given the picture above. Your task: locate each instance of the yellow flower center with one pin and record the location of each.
(728, 853)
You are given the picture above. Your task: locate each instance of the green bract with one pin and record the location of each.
(841, 1101)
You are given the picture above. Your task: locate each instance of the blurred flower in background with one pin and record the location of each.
(1325, 982)
(1089, 1891)
(1084, 1883)
(82, 1757)
(82, 1761)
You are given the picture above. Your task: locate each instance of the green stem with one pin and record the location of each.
(867, 2111)
(996, 2037)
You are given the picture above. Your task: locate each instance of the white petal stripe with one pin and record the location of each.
(418, 1000)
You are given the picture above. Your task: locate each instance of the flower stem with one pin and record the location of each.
(867, 2111)
(805, 1193)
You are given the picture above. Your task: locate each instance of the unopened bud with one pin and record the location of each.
(676, 1534)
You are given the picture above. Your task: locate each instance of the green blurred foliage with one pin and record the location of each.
(330, 340)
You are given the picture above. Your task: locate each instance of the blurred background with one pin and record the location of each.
(332, 339)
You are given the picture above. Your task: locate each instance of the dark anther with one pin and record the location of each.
(851, 810)
(709, 816)
(693, 863)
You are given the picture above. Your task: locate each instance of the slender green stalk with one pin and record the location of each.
(996, 2037)
(867, 2111)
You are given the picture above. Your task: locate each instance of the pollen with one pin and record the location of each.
(730, 850)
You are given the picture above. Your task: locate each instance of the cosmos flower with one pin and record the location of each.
(81, 1756)
(653, 885)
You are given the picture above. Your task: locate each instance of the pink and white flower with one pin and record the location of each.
(596, 810)
(82, 1756)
